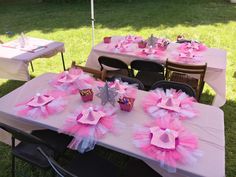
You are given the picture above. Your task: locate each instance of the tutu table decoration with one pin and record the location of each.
(86, 95)
(187, 56)
(72, 81)
(121, 47)
(119, 86)
(151, 53)
(42, 105)
(123, 88)
(167, 140)
(178, 104)
(193, 45)
(132, 39)
(124, 44)
(88, 124)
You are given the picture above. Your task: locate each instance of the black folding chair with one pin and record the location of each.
(129, 80)
(138, 168)
(120, 67)
(83, 165)
(174, 85)
(149, 72)
(51, 142)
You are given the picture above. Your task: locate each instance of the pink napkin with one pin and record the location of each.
(90, 116)
(40, 100)
(124, 89)
(163, 138)
(72, 81)
(67, 77)
(170, 104)
(119, 86)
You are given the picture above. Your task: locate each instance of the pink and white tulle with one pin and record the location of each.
(187, 56)
(132, 39)
(195, 46)
(42, 105)
(177, 104)
(168, 141)
(89, 123)
(72, 81)
(124, 89)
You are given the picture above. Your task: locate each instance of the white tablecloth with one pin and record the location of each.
(14, 60)
(215, 58)
(208, 126)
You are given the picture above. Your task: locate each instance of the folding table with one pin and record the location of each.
(215, 58)
(208, 126)
(14, 59)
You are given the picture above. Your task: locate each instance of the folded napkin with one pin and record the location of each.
(72, 81)
(67, 77)
(42, 105)
(40, 100)
(124, 89)
(90, 116)
(168, 141)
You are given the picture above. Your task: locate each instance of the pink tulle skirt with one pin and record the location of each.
(85, 135)
(182, 107)
(186, 144)
(57, 105)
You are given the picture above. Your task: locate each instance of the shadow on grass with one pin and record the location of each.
(230, 136)
(230, 126)
(137, 14)
(234, 76)
(10, 85)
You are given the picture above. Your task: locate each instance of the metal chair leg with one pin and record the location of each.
(32, 67)
(13, 165)
(63, 61)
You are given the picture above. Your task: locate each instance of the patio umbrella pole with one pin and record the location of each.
(92, 19)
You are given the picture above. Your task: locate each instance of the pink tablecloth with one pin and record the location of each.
(208, 126)
(215, 59)
(14, 60)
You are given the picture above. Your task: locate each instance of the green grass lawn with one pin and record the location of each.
(210, 21)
